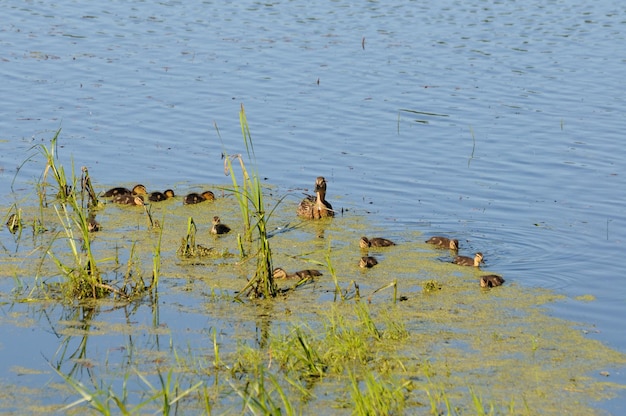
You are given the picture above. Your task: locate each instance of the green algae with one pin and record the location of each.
(447, 345)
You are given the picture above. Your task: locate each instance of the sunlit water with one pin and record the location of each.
(499, 124)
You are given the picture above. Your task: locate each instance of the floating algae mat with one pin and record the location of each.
(414, 334)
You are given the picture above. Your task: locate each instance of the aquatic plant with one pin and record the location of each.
(106, 401)
(249, 196)
(259, 398)
(84, 278)
(374, 396)
(189, 248)
(75, 205)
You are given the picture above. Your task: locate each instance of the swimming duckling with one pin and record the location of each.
(302, 274)
(444, 242)
(367, 262)
(128, 199)
(218, 227)
(92, 224)
(14, 223)
(137, 190)
(194, 198)
(364, 242)
(491, 280)
(316, 207)
(468, 261)
(161, 196)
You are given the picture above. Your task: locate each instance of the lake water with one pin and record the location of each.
(498, 123)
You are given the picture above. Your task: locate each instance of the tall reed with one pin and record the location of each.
(249, 195)
(84, 280)
(75, 205)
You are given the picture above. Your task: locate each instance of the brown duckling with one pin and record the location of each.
(137, 190)
(128, 199)
(316, 207)
(491, 280)
(469, 261)
(302, 274)
(443, 242)
(92, 224)
(14, 223)
(161, 196)
(194, 198)
(365, 242)
(218, 227)
(367, 262)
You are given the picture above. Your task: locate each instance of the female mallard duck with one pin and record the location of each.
(161, 196)
(491, 280)
(468, 261)
(302, 274)
(128, 199)
(137, 190)
(444, 242)
(365, 242)
(194, 198)
(218, 227)
(367, 262)
(314, 208)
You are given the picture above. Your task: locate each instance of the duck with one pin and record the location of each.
(14, 223)
(491, 280)
(365, 242)
(218, 227)
(469, 261)
(280, 273)
(443, 242)
(194, 198)
(137, 190)
(316, 207)
(367, 262)
(161, 196)
(128, 199)
(92, 225)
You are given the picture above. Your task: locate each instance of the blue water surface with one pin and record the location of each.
(498, 123)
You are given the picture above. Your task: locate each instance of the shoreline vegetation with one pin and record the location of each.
(414, 334)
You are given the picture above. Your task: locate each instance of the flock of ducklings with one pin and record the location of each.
(316, 207)
(138, 194)
(311, 208)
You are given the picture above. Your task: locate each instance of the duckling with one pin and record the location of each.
(364, 242)
(161, 196)
(218, 227)
(14, 223)
(491, 280)
(302, 274)
(468, 261)
(128, 199)
(194, 198)
(367, 262)
(314, 208)
(444, 242)
(137, 190)
(92, 224)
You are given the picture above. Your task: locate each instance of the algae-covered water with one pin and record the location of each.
(421, 327)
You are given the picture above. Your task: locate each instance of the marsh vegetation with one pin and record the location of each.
(415, 334)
